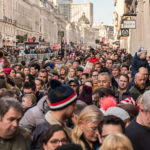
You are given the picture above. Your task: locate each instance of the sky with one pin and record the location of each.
(103, 10)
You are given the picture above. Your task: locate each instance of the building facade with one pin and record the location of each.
(30, 18)
(139, 11)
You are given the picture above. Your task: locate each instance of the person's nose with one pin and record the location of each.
(15, 123)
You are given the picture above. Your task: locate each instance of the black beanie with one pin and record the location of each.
(60, 95)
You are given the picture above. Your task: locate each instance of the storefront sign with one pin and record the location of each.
(124, 32)
(129, 24)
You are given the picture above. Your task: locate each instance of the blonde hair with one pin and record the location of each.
(32, 97)
(116, 141)
(89, 113)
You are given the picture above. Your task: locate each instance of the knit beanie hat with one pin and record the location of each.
(118, 112)
(60, 95)
(141, 50)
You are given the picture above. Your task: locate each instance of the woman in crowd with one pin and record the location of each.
(40, 91)
(116, 141)
(85, 131)
(72, 74)
(54, 137)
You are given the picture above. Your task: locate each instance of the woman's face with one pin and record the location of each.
(71, 72)
(59, 138)
(90, 131)
(12, 74)
(38, 85)
(62, 71)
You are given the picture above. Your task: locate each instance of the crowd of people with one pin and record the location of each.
(83, 99)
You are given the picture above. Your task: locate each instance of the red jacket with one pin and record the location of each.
(93, 60)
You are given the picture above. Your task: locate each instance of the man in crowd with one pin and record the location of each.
(109, 63)
(139, 86)
(104, 80)
(98, 67)
(94, 77)
(109, 125)
(123, 83)
(11, 135)
(43, 75)
(62, 103)
(139, 129)
(34, 68)
(144, 71)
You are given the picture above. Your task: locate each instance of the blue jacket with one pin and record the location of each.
(137, 63)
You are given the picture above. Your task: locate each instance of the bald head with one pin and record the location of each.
(144, 71)
(140, 80)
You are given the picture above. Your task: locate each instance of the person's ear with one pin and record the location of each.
(48, 102)
(81, 125)
(44, 146)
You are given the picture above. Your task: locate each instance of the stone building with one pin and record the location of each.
(139, 11)
(30, 18)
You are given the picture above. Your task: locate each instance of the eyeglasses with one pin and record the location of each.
(93, 129)
(56, 141)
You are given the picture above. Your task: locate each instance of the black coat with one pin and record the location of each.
(137, 63)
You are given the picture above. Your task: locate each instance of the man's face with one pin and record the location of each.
(95, 77)
(26, 71)
(79, 73)
(103, 81)
(124, 70)
(28, 91)
(75, 64)
(140, 81)
(109, 64)
(9, 123)
(115, 72)
(145, 117)
(144, 71)
(73, 85)
(83, 79)
(33, 71)
(108, 129)
(123, 83)
(97, 67)
(69, 110)
(43, 76)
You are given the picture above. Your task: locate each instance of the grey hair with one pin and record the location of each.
(146, 100)
(116, 66)
(105, 74)
(6, 103)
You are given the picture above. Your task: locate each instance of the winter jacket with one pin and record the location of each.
(49, 120)
(135, 92)
(21, 141)
(93, 60)
(137, 63)
(35, 116)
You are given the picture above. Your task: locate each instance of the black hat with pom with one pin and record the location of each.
(60, 95)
